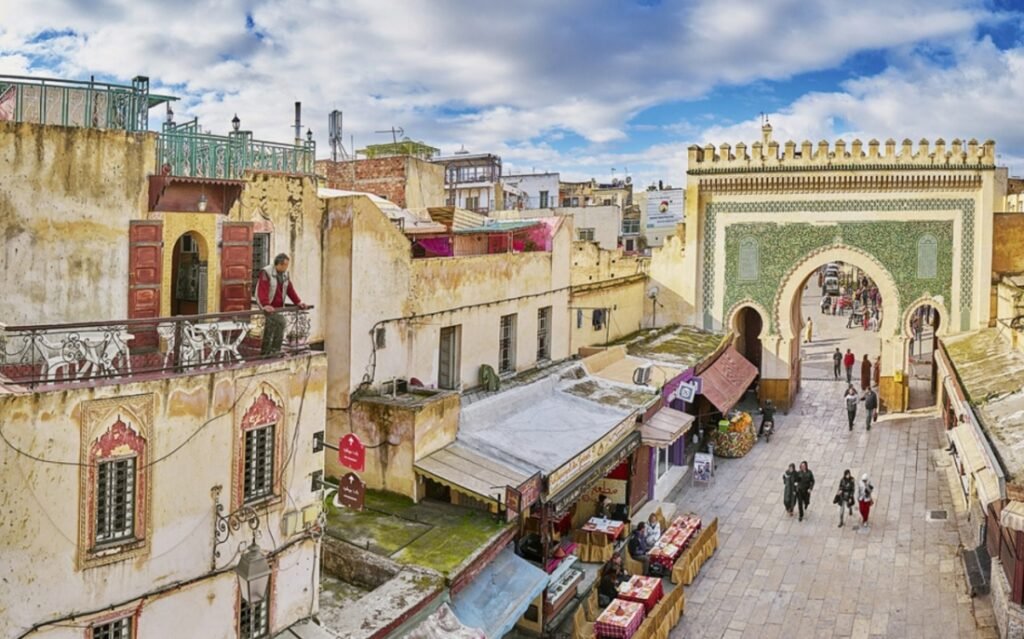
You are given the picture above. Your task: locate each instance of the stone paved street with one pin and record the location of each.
(774, 576)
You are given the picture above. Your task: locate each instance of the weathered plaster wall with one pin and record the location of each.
(193, 428)
(626, 300)
(671, 272)
(424, 184)
(65, 258)
(591, 264)
(287, 207)
(1008, 252)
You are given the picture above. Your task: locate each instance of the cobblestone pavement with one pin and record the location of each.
(774, 576)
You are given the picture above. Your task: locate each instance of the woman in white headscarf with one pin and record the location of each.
(865, 498)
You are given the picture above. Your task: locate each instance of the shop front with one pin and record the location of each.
(664, 439)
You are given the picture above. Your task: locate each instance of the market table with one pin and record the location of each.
(672, 542)
(643, 590)
(611, 527)
(620, 620)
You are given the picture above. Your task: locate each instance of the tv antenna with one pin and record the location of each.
(395, 132)
(336, 136)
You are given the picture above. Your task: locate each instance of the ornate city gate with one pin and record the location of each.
(760, 224)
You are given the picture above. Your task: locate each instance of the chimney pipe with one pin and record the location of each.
(298, 123)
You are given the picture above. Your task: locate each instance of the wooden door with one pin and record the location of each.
(145, 273)
(236, 266)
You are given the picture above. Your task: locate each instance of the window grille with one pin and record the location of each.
(507, 344)
(544, 333)
(115, 500)
(586, 235)
(117, 629)
(259, 463)
(260, 255)
(253, 621)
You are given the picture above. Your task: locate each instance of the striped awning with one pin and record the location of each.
(467, 471)
(665, 427)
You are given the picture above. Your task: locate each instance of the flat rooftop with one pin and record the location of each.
(680, 345)
(992, 375)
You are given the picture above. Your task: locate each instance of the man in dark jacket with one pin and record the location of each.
(804, 486)
(637, 544)
(870, 406)
(768, 416)
(837, 363)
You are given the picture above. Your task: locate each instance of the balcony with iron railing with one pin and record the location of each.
(183, 150)
(96, 105)
(89, 353)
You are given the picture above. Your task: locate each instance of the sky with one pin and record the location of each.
(588, 88)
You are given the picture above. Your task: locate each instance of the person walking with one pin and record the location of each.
(844, 496)
(870, 406)
(848, 361)
(767, 416)
(789, 489)
(865, 499)
(808, 330)
(804, 486)
(865, 373)
(851, 404)
(272, 289)
(837, 363)
(877, 372)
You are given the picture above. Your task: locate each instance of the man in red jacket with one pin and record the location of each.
(272, 288)
(848, 361)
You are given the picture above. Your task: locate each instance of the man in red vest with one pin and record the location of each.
(272, 288)
(848, 361)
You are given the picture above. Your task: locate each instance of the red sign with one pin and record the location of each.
(352, 453)
(520, 499)
(351, 492)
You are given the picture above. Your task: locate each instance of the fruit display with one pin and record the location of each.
(735, 437)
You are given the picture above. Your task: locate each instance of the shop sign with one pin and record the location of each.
(352, 453)
(702, 467)
(568, 471)
(351, 492)
(687, 391)
(520, 499)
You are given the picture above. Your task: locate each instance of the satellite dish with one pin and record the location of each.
(653, 292)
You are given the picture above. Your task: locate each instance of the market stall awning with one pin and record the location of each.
(499, 595)
(971, 455)
(1012, 516)
(725, 381)
(665, 427)
(570, 494)
(465, 470)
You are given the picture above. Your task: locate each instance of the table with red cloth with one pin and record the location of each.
(675, 538)
(620, 620)
(644, 590)
(611, 527)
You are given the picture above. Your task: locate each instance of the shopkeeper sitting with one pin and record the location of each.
(653, 530)
(603, 508)
(637, 545)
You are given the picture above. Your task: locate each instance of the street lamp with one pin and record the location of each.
(236, 123)
(253, 575)
(201, 204)
(309, 135)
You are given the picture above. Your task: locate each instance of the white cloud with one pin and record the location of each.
(492, 76)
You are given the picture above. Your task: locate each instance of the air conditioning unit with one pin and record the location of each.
(642, 375)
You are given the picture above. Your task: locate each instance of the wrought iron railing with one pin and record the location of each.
(120, 351)
(98, 105)
(184, 150)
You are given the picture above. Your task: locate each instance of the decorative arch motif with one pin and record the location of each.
(115, 428)
(260, 407)
(747, 302)
(799, 272)
(937, 303)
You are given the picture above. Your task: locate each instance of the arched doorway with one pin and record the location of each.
(747, 325)
(922, 325)
(189, 275)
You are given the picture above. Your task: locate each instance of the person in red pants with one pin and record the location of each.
(865, 499)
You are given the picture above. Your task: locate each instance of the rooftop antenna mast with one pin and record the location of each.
(335, 122)
(395, 132)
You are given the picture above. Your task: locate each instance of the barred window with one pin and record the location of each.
(115, 501)
(507, 344)
(118, 629)
(259, 463)
(253, 620)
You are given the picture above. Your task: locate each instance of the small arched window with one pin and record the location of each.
(927, 257)
(748, 260)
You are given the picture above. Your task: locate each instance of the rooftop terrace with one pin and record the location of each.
(679, 345)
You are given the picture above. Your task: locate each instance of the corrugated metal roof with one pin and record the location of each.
(500, 226)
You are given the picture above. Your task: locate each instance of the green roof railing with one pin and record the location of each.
(184, 150)
(86, 104)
